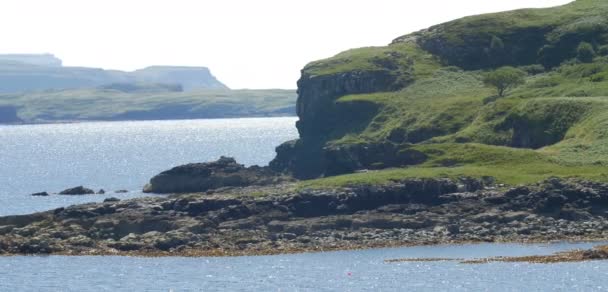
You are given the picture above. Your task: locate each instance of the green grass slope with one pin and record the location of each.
(556, 124)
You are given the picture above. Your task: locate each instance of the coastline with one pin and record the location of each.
(280, 219)
(385, 245)
(67, 122)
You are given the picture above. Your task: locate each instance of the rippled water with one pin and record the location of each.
(334, 271)
(124, 155)
(121, 155)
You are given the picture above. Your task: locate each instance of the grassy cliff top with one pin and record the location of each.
(553, 125)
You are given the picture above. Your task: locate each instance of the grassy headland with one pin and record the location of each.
(427, 97)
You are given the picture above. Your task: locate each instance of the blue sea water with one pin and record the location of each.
(333, 271)
(124, 155)
(121, 155)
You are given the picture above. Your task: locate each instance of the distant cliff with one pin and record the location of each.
(190, 78)
(8, 115)
(126, 101)
(28, 73)
(48, 60)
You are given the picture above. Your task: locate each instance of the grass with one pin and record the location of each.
(556, 124)
(99, 104)
(399, 58)
(507, 165)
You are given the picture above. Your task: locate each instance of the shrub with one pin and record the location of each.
(533, 69)
(504, 79)
(603, 50)
(585, 52)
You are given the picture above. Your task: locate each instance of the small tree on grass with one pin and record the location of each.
(504, 79)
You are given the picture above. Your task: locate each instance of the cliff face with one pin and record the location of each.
(316, 106)
(323, 117)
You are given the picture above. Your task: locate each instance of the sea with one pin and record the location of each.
(124, 155)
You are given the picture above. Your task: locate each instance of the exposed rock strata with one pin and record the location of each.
(321, 117)
(400, 213)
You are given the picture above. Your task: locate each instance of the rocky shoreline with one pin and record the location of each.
(282, 218)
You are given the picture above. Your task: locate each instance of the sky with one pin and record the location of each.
(246, 44)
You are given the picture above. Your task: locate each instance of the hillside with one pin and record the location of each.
(145, 102)
(418, 107)
(29, 73)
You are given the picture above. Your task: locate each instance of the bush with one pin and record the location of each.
(533, 69)
(603, 50)
(504, 79)
(585, 52)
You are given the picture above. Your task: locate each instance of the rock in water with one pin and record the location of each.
(101, 192)
(200, 177)
(41, 194)
(80, 190)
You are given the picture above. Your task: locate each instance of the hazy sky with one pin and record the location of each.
(245, 43)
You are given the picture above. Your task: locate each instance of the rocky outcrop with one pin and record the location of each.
(201, 177)
(317, 95)
(8, 115)
(321, 117)
(79, 190)
(40, 194)
(415, 211)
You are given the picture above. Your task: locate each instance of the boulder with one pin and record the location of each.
(80, 190)
(121, 191)
(41, 194)
(201, 177)
(101, 192)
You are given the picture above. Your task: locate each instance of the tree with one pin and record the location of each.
(585, 52)
(504, 79)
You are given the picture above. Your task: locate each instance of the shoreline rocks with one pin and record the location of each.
(245, 221)
(201, 177)
(79, 190)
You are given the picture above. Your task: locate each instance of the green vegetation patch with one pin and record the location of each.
(507, 165)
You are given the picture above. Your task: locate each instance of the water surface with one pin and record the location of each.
(333, 271)
(121, 155)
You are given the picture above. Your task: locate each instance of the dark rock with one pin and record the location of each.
(41, 194)
(518, 191)
(101, 192)
(112, 199)
(5, 229)
(201, 177)
(80, 190)
(121, 191)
